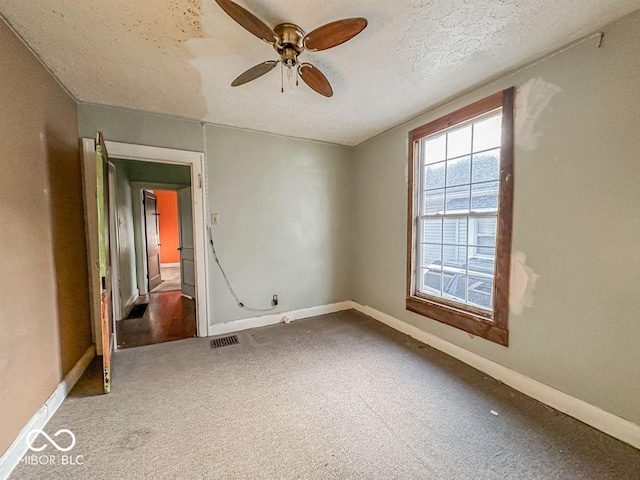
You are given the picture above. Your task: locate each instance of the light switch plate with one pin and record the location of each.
(215, 219)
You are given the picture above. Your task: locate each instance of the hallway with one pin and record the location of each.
(170, 280)
(170, 316)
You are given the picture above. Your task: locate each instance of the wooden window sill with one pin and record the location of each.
(469, 322)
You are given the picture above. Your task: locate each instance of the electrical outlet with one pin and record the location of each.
(215, 219)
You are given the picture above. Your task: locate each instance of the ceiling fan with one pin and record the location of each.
(289, 41)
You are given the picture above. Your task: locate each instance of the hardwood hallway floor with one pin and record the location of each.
(170, 316)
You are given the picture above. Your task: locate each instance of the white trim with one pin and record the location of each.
(273, 318)
(591, 415)
(18, 448)
(169, 265)
(196, 161)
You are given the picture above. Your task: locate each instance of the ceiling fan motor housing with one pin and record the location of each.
(290, 43)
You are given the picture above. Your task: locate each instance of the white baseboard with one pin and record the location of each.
(272, 319)
(585, 412)
(169, 265)
(18, 448)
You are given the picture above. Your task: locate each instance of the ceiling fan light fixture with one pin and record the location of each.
(289, 40)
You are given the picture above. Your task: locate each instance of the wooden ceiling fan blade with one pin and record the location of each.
(315, 79)
(334, 34)
(248, 20)
(255, 72)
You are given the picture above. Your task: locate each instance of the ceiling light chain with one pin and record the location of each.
(289, 76)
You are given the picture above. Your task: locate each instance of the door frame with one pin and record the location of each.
(137, 195)
(143, 153)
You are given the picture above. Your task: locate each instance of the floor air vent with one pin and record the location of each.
(224, 341)
(137, 311)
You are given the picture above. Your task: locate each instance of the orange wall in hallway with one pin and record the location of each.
(168, 221)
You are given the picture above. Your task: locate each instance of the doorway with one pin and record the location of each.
(168, 227)
(156, 269)
(154, 158)
(169, 219)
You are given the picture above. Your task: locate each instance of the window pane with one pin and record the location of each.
(432, 230)
(480, 283)
(488, 248)
(453, 283)
(434, 201)
(431, 281)
(457, 199)
(487, 133)
(455, 231)
(478, 265)
(486, 225)
(480, 292)
(484, 196)
(454, 257)
(431, 273)
(455, 288)
(434, 175)
(459, 171)
(486, 166)
(435, 149)
(482, 232)
(431, 254)
(459, 142)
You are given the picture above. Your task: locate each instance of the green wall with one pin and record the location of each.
(156, 172)
(288, 197)
(577, 193)
(126, 246)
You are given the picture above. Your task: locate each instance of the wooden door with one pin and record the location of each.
(187, 258)
(152, 239)
(106, 305)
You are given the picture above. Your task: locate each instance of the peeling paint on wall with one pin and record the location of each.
(523, 282)
(532, 99)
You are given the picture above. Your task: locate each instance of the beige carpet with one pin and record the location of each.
(334, 397)
(170, 280)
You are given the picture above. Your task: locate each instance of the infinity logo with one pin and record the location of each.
(33, 434)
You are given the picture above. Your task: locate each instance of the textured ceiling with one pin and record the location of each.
(178, 57)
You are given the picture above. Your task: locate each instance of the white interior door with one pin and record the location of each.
(187, 258)
(152, 232)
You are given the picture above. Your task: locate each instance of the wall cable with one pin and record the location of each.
(226, 279)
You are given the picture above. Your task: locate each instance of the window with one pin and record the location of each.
(460, 209)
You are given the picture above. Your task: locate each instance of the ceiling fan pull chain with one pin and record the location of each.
(289, 77)
(297, 83)
(281, 78)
